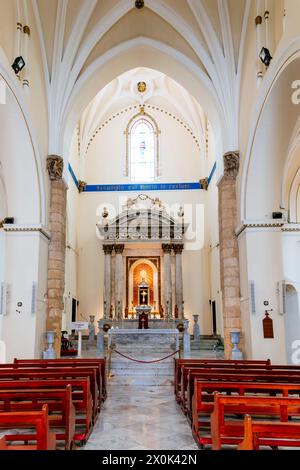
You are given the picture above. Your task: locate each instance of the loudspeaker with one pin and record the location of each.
(281, 290)
(3, 298)
(277, 215)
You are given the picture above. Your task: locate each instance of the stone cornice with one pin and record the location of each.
(27, 228)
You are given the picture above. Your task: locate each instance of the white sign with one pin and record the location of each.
(83, 325)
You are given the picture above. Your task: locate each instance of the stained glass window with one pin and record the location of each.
(142, 149)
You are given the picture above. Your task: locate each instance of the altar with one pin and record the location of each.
(166, 340)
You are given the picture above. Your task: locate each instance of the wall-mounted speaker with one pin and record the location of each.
(252, 297)
(4, 298)
(277, 215)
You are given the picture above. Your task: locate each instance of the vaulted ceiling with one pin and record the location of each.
(76, 35)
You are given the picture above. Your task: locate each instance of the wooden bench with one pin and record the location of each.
(179, 363)
(268, 433)
(60, 407)
(228, 431)
(45, 440)
(203, 400)
(231, 375)
(81, 398)
(98, 362)
(59, 373)
(186, 369)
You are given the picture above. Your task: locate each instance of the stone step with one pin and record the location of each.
(143, 380)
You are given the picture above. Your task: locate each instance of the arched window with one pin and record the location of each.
(142, 162)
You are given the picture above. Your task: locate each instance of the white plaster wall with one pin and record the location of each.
(263, 249)
(23, 332)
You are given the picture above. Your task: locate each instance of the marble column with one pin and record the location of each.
(178, 247)
(57, 247)
(107, 280)
(167, 248)
(229, 255)
(119, 248)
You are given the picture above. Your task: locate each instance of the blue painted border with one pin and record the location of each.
(101, 188)
(73, 175)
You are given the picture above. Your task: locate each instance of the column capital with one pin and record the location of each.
(108, 249)
(231, 164)
(178, 248)
(119, 248)
(166, 247)
(55, 167)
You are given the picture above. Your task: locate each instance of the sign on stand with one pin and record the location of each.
(80, 326)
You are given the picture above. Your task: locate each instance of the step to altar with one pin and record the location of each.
(143, 345)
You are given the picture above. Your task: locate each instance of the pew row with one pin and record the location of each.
(226, 429)
(230, 375)
(44, 439)
(203, 401)
(60, 408)
(179, 363)
(81, 398)
(46, 363)
(56, 374)
(268, 433)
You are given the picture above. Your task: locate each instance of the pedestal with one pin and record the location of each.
(236, 354)
(50, 353)
(196, 329)
(186, 337)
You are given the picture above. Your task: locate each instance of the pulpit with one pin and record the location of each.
(143, 321)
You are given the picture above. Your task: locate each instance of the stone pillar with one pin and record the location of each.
(229, 254)
(167, 248)
(119, 248)
(178, 247)
(57, 247)
(107, 280)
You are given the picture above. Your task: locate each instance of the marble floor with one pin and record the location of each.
(141, 418)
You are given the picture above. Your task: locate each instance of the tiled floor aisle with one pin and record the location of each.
(141, 418)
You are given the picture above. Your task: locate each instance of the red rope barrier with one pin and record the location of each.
(146, 362)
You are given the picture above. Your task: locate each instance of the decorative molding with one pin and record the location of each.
(231, 164)
(108, 249)
(166, 247)
(204, 183)
(27, 228)
(136, 107)
(178, 248)
(119, 248)
(55, 167)
(256, 225)
(81, 186)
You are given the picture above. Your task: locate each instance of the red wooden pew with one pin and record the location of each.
(179, 363)
(45, 440)
(231, 375)
(98, 362)
(60, 373)
(225, 430)
(203, 400)
(81, 397)
(60, 407)
(268, 433)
